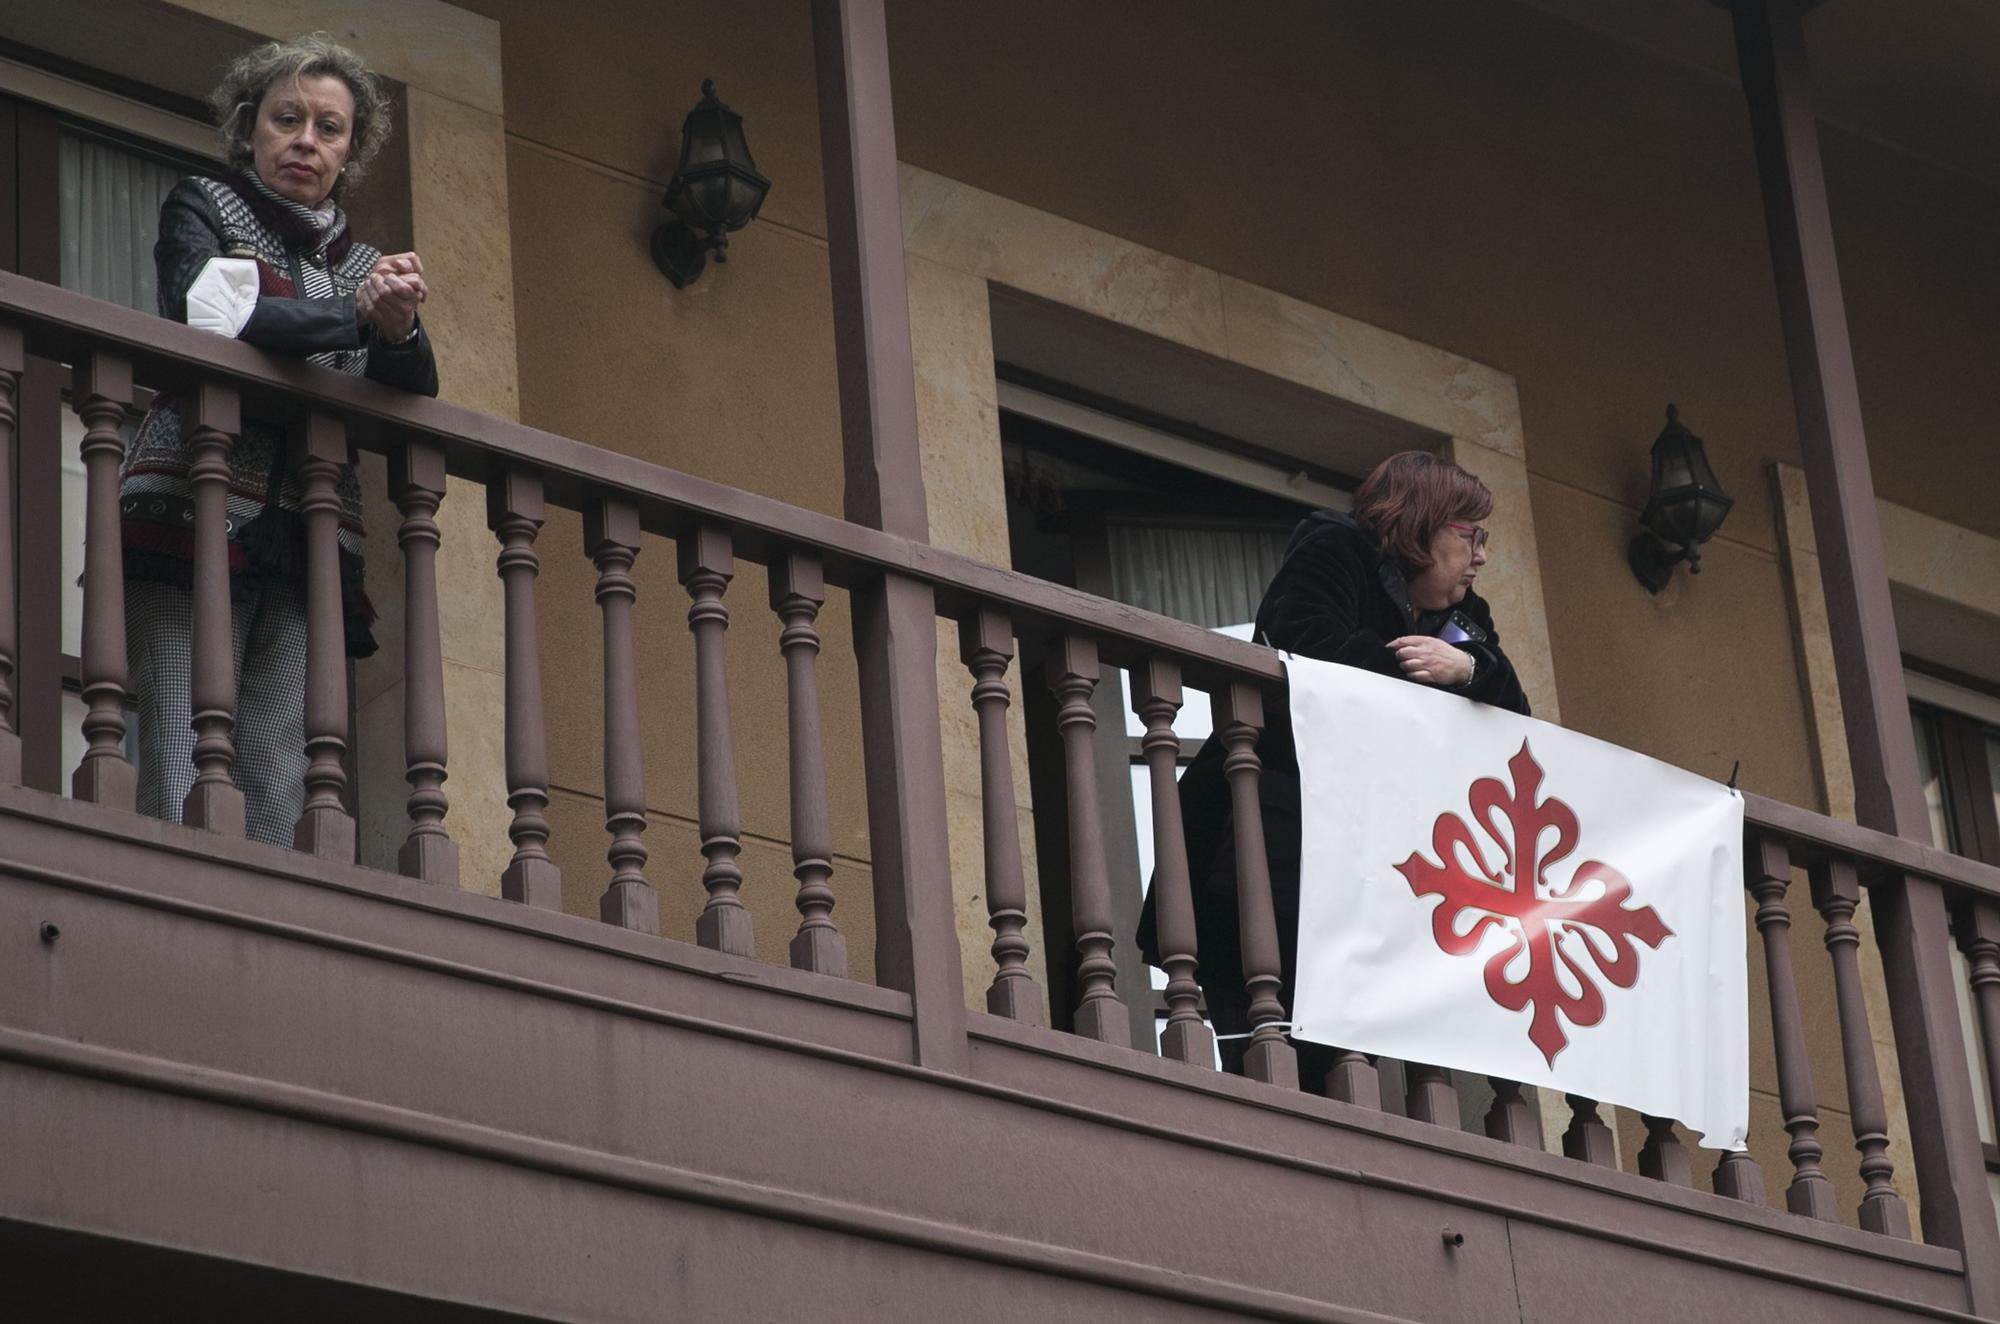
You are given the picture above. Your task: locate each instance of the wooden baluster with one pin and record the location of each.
(1810, 1193)
(211, 419)
(1239, 715)
(101, 390)
(611, 537)
(1100, 1013)
(1977, 928)
(1432, 1097)
(1512, 1118)
(1663, 1157)
(1354, 1078)
(986, 645)
(706, 567)
(13, 362)
(325, 828)
(798, 591)
(1739, 1177)
(418, 480)
(514, 512)
(1836, 892)
(1588, 1138)
(1156, 698)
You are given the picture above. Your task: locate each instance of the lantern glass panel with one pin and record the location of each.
(706, 200)
(730, 141)
(702, 138)
(1671, 517)
(1709, 509)
(1671, 467)
(746, 195)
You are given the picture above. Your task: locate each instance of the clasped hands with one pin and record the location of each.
(1432, 661)
(387, 298)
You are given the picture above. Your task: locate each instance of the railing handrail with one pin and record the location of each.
(479, 446)
(63, 323)
(1813, 836)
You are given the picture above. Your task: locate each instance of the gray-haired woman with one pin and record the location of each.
(264, 256)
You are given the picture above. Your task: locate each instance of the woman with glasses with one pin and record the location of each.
(1388, 588)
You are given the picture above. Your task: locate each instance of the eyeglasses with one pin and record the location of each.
(1475, 534)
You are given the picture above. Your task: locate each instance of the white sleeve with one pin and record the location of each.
(223, 296)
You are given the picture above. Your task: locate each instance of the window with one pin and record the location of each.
(1153, 518)
(1957, 727)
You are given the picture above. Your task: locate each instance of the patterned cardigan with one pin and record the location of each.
(308, 267)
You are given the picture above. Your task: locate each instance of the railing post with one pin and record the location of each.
(1100, 1013)
(706, 566)
(1811, 1192)
(418, 481)
(1156, 698)
(1431, 1096)
(101, 391)
(1663, 1157)
(798, 591)
(1836, 892)
(13, 362)
(1511, 1118)
(1588, 1139)
(611, 537)
(514, 513)
(325, 828)
(986, 645)
(1911, 926)
(895, 617)
(1978, 929)
(212, 418)
(1239, 716)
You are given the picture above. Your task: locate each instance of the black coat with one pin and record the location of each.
(1332, 599)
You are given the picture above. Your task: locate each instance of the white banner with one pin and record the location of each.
(1491, 893)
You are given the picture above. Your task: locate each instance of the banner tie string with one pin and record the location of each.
(1281, 1025)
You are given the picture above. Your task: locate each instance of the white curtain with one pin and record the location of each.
(110, 204)
(1206, 574)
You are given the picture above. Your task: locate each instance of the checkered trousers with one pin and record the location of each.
(268, 637)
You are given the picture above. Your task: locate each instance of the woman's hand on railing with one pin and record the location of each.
(1431, 661)
(388, 298)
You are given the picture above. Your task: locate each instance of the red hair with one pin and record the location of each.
(1408, 497)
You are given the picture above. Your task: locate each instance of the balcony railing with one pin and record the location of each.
(623, 500)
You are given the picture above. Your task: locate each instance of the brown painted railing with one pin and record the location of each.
(623, 499)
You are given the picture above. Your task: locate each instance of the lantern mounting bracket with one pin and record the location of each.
(681, 254)
(1653, 562)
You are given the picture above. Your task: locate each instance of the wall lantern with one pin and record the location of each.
(715, 190)
(1684, 507)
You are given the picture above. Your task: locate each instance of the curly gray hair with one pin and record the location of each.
(237, 98)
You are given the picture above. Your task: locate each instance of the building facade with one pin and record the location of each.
(1165, 276)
